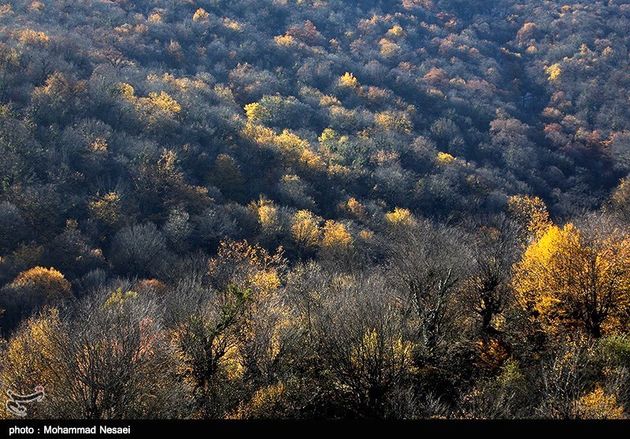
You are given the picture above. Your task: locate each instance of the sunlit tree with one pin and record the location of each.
(577, 277)
(305, 229)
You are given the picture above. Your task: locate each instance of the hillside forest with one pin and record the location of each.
(315, 209)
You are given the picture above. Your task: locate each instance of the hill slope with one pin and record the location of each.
(410, 157)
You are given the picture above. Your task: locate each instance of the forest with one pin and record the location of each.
(315, 209)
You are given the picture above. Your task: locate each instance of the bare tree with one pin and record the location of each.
(360, 338)
(106, 358)
(488, 291)
(427, 265)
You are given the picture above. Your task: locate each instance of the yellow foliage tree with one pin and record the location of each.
(336, 236)
(232, 24)
(47, 283)
(259, 133)
(267, 215)
(394, 121)
(529, 211)
(127, 90)
(255, 112)
(444, 158)
(32, 359)
(288, 141)
(200, 15)
(399, 217)
(388, 48)
(396, 31)
(553, 72)
(309, 159)
(265, 282)
(599, 405)
(305, 229)
(568, 279)
(284, 40)
(348, 80)
(164, 101)
(155, 17)
(328, 135)
(32, 37)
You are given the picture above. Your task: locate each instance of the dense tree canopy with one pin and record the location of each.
(316, 208)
